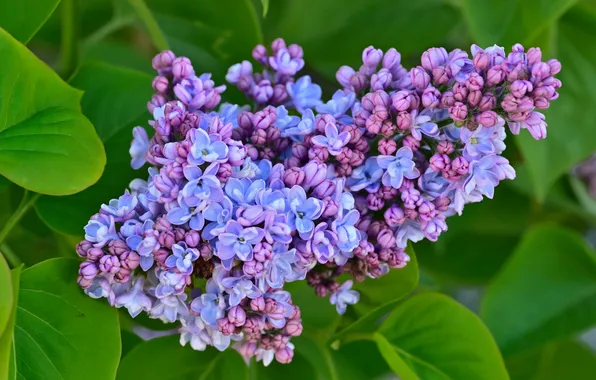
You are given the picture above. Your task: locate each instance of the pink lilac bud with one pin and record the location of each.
(331, 208)
(475, 82)
(401, 100)
(109, 264)
(375, 201)
(322, 121)
(419, 77)
(295, 51)
(371, 57)
(359, 82)
(263, 251)
(481, 61)
(460, 165)
(404, 121)
(83, 247)
(88, 270)
(343, 170)
(314, 174)
(534, 55)
(381, 112)
(487, 118)
(252, 152)
(259, 53)
(519, 88)
(513, 104)
(324, 189)
(95, 253)
(167, 239)
(182, 68)
(161, 255)
(442, 203)
(460, 92)
(488, 102)
(367, 102)
(394, 216)
(237, 316)
(388, 128)
(160, 84)
(536, 125)
(412, 143)
(192, 238)
(386, 238)
(441, 75)
(447, 99)
(381, 80)
(445, 147)
(426, 210)
(293, 328)
(129, 260)
(494, 76)
(225, 327)
(293, 177)
(430, 97)
(258, 304)
(375, 227)
(284, 355)
(540, 71)
(206, 252)
(278, 44)
(387, 146)
(411, 213)
(163, 60)
(252, 268)
(344, 76)
(474, 98)
(373, 125)
(458, 111)
(411, 198)
(155, 102)
(318, 154)
(300, 150)
(541, 103)
(434, 57)
(555, 66)
(439, 162)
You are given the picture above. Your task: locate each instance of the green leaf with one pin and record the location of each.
(437, 338)
(316, 312)
(548, 289)
(6, 298)
(265, 4)
(479, 241)
(115, 100)
(547, 160)
(511, 21)
(60, 332)
(165, 359)
(354, 361)
(46, 144)
(145, 15)
(7, 348)
(565, 359)
(24, 18)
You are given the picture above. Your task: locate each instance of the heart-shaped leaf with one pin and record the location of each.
(46, 144)
(431, 337)
(61, 333)
(548, 289)
(115, 100)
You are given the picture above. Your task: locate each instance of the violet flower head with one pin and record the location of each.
(344, 296)
(304, 94)
(237, 242)
(182, 258)
(139, 147)
(304, 211)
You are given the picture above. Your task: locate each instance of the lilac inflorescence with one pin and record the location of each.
(239, 202)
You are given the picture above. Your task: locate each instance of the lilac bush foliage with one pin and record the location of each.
(240, 200)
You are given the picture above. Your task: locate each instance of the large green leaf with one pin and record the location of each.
(46, 144)
(546, 291)
(479, 241)
(547, 160)
(432, 336)
(316, 312)
(565, 359)
(23, 18)
(115, 100)
(6, 298)
(7, 348)
(60, 333)
(510, 21)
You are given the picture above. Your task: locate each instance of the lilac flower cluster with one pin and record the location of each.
(239, 202)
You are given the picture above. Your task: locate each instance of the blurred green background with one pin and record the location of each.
(524, 261)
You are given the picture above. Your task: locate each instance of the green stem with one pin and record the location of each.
(69, 52)
(144, 13)
(14, 219)
(10, 256)
(354, 337)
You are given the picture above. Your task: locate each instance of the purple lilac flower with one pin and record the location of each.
(210, 305)
(367, 176)
(339, 104)
(304, 211)
(206, 148)
(240, 288)
(139, 147)
(332, 140)
(398, 167)
(279, 268)
(182, 258)
(135, 300)
(344, 296)
(237, 242)
(305, 94)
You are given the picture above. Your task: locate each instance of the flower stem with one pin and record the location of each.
(26, 203)
(144, 13)
(69, 49)
(10, 256)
